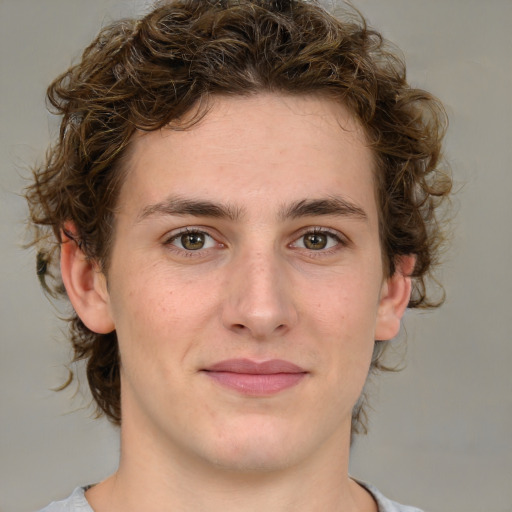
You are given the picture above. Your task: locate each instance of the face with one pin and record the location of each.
(246, 283)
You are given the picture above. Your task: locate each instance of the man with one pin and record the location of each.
(243, 198)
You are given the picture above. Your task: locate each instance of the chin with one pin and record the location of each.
(252, 459)
(258, 449)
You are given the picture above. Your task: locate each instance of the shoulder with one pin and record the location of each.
(385, 504)
(74, 503)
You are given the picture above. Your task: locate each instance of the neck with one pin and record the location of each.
(155, 476)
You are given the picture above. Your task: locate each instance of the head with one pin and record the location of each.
(166, 71)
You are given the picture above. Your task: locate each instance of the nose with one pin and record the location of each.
(258, 302)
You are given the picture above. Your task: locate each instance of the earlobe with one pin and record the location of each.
(395, 296)
(85, 285)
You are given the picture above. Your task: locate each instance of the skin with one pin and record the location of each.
(272, 281)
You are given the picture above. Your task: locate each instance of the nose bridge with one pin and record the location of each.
(258, 299)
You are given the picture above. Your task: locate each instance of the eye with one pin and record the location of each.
(318, 240)
(192, 240)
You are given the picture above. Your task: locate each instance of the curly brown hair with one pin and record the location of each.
(145, 74)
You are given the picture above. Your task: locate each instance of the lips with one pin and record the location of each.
(256, 378)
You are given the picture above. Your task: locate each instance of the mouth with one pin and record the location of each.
(256, 378)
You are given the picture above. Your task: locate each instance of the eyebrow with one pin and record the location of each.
(332, 205)
(179, 206)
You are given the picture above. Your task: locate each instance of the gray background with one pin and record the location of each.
(441, 430)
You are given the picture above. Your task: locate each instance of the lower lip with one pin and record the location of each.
(256, 384)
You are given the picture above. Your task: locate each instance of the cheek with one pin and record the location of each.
(342, 320)
(157, 314)
(343, 304)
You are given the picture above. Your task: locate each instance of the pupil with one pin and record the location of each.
(192, 241)
(315, 241)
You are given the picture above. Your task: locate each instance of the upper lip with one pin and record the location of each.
(248, 366)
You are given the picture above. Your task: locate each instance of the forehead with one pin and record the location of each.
(266, 147)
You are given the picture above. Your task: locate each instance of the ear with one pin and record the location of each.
(394, 298)
(85, 284)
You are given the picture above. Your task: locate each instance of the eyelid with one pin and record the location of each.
(174, 233)
(342, 240)
(171, 236)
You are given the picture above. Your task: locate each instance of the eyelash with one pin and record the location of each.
(340, 241)
(168, 242)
